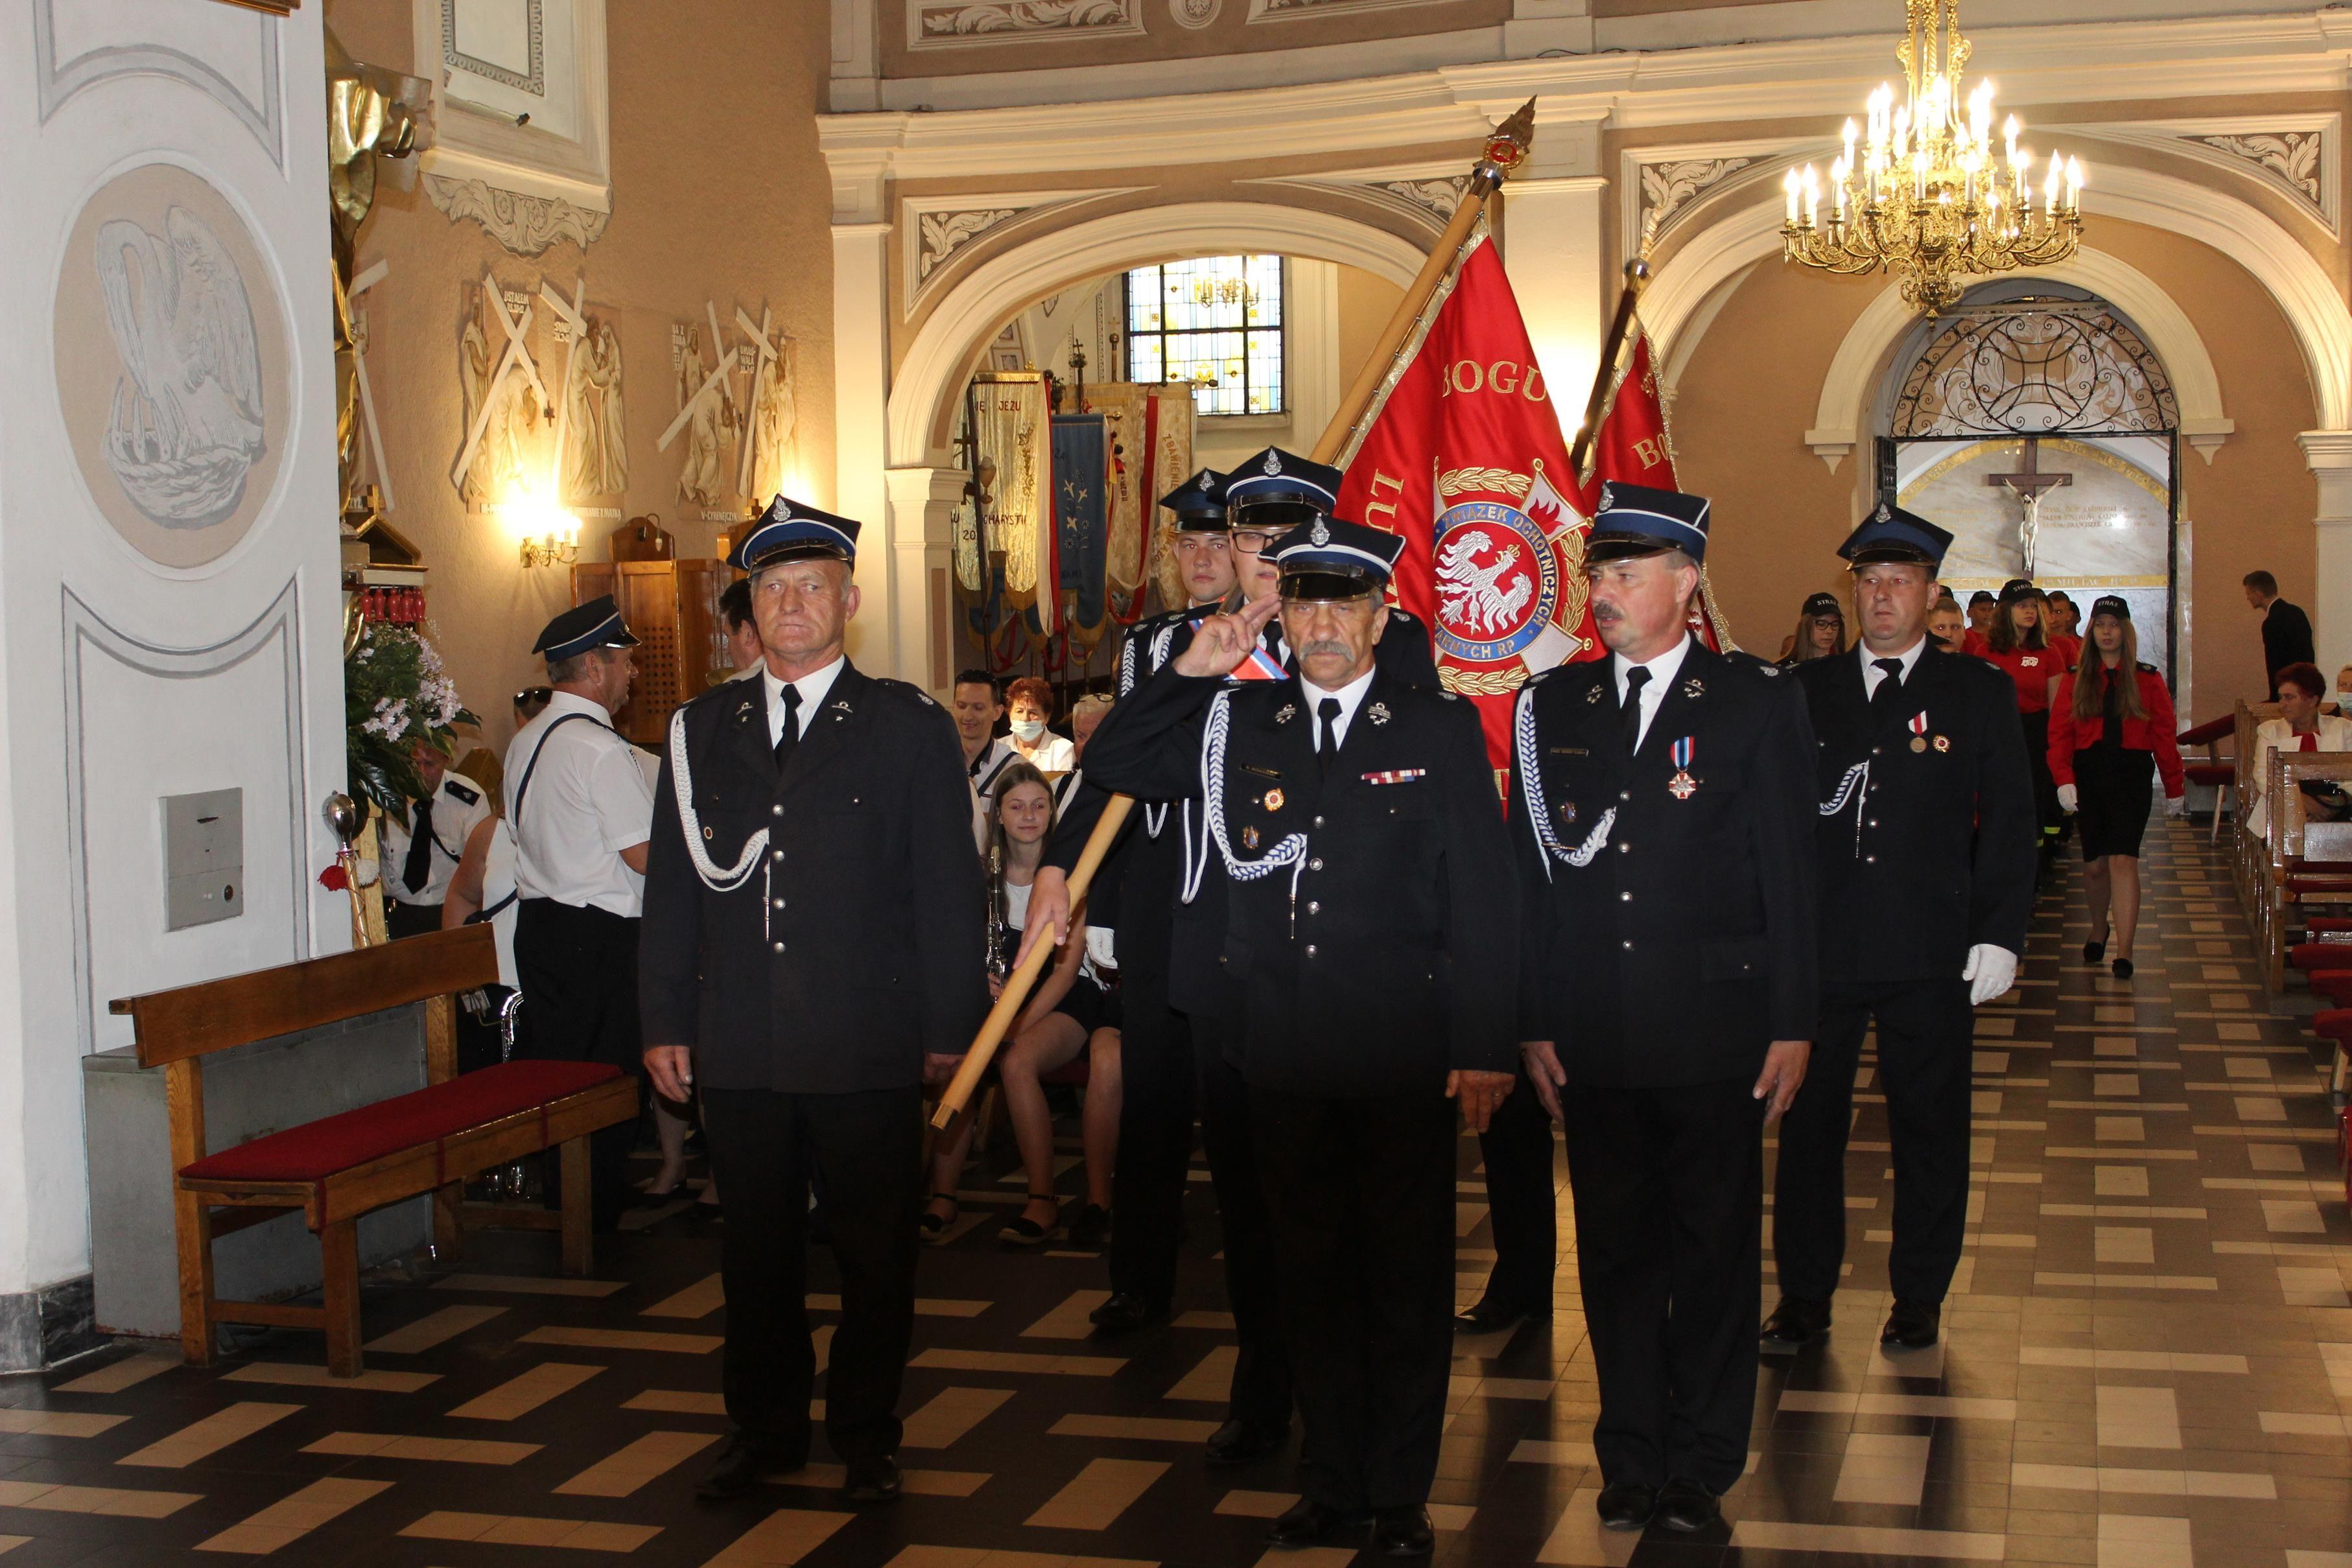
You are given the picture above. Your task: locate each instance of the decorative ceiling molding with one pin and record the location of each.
(1292, 10)
(961, 24)
(524, 225)
(1194, 15)
(2300, 156)
(246, 87)
(934, 230)
(1422, 194)
(1672, 181)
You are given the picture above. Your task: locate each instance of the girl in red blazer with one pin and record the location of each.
(2018, 641)
(2111, 727)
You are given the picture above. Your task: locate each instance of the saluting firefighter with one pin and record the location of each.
(422, 852)
(581, 809)
(1369, 909)
(815, 944)
(1924, 848)
(1661, 811)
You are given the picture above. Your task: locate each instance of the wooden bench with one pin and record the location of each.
(2249, 853)
(2216, 772)
(339, 1167)
(2308, 864)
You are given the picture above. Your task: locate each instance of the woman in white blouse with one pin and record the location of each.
(1030, 703)
(2301, 726)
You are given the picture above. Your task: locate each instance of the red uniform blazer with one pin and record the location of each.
(2069, 735)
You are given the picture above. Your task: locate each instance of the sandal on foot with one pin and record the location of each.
(2095, 951)
(1023, 1231)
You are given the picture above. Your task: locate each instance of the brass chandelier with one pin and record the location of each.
(1922, 193)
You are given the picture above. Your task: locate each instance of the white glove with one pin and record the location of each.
(2175, 806)
(2067, 796)
(1991, 970)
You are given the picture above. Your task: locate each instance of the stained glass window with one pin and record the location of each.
(1214, 321)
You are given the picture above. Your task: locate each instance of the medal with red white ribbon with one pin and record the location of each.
(1681, 786)
(1920, 730)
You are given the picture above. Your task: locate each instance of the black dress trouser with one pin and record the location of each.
(1522, 1205)
(1261, 1388)
(1925, 1056)
(1669, 1189)
(1362, 1196)
(1155, 1139)
(578, 967)
(765, 1145)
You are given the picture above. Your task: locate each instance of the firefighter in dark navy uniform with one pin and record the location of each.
(1925, 847)
(1662, 810)
(1368, 903)
(815, 946)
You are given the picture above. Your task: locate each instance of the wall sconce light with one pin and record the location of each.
(555, 548)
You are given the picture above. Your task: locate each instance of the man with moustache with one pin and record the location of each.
(1926, 863)
(1662, 818)
(1367, 933)
(814, 943)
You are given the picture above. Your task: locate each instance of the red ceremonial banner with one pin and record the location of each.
(1462, 457)
(1633, 446)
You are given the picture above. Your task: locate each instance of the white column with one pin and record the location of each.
(861, 398)
(1311, 327)
(2329, 453)
(1552, 252)
(922, 566)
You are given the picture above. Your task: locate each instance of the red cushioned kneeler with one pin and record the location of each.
(2336, 985)
(320, 1149)
(2321, 957)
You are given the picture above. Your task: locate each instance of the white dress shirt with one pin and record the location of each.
(1872, 675)
(812, 688)
(453, 821)
(1351, 698)
(589, 799)
(1662, 669)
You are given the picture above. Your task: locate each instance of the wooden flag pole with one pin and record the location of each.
(1506, 149)
(1604, 380)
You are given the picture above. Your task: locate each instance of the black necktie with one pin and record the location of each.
(1890, 686)
(1327, 732)
(791, 732)
(1629, 716)
(417, 870)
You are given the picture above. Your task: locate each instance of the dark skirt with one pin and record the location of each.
(2111, 793)
(2036, 726)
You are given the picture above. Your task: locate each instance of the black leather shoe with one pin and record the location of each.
(1493, 1312)
(1627, 1505)
(1913, 1325)
(1127, 1312)
(1688, 1506)
(1404, 1532)
(745, 1461)
(1308, 1524)
(1238, 1442)
(871, 1481)
(1797, 1320)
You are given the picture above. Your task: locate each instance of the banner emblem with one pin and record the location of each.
(1498, 582)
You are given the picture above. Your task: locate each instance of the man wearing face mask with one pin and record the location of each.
(1352, 817)
(1661, 813)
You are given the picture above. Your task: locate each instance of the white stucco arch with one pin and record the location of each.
(1842, 418)
(940, 357)
(2315, 312)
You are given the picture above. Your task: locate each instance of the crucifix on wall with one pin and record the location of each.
(2028, 484)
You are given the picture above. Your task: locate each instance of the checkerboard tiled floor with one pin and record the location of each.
(2147, 1365)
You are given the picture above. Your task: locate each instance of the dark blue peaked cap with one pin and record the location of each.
(1331, 557)
(1274, 475)
(1892, 534)
(595, 625)
(793, 530)
(1634, 519)
(1199, 503)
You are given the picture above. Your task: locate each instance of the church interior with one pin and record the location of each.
(358, 341)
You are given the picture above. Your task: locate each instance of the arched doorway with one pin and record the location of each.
(2035, 422)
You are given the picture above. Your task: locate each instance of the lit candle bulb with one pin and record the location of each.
(2050, 185)
(1812, 195)
(2008, 136)
(1980, 113)
(1919, 175)
(2073, 185)
(1789, 186)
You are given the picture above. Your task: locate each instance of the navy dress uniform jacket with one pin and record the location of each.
(1191, 936)
(859, 942)
(1685, 944)
(1388, 960)
(1931, 852)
